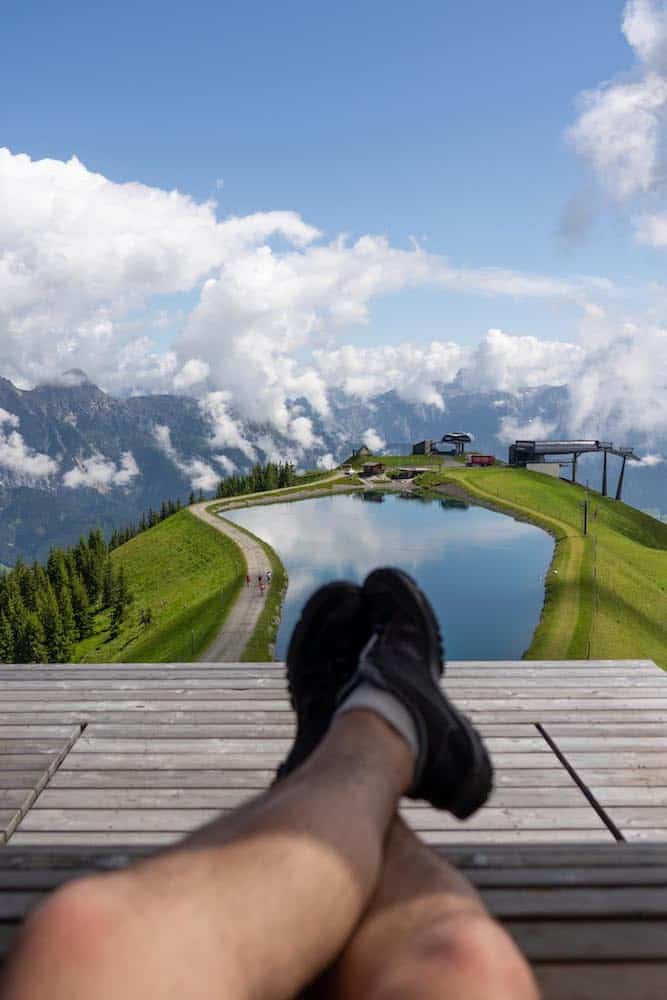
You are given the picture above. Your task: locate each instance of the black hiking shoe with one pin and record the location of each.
(404, 656)
(323, 655)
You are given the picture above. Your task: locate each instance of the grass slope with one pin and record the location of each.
(189, 574)
(606, 593)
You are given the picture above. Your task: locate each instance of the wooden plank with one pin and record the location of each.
(613, 796)
(615, 728)
(10, 747)
(37, 732)
(58, 797)
(19, 779)
(449, 838)
(598, 940)
(611, 981)
(165, 778)
(256, 760)
(634, 902)
(140, 717)
(611, 777)
(536, 708)
(518, 779)
(121, 820)
(515, 837)
(616, 759)
(489, 818)
(89, 839)
(168, 819)
(257, 715)
(143, 727)
(648, 834)
(245, 680)
(580, 859)
(596, 743)
(592, 875)
(27, 761)
(214, 747)
(95, 744)
(499, 700)
(42, 879)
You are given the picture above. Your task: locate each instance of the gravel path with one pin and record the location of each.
(242, 620)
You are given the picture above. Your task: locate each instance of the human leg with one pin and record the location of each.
(425, 935)
(254, 905)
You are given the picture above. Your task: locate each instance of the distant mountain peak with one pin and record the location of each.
(70, 379)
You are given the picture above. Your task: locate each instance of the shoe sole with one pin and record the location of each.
(480, 783)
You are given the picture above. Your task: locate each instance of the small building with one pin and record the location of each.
(481, 460)
(410, 471)
(372, 469)
(459, 439)
(362, 451)
(423, 447)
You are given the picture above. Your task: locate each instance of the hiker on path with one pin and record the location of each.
(316, 884)
(247, 579)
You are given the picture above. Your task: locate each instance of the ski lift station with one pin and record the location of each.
(548, 456)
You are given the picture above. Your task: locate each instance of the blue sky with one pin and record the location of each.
(441, 122)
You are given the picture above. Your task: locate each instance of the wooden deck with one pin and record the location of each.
(98, 762)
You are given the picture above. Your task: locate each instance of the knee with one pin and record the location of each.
(70, 934)
(465, 955)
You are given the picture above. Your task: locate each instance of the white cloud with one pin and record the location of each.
(536, 429)
(374, 441)
(226, 464)
(648, 461)
(192, 373)
(81, 253)
(201, 475)
(620, 385)
(226, 431)
(618, 131)
(409, 369)
(326, 462)
(501, 361)
(100, 473)
(83, 258)
(23, 463)
(621, 129)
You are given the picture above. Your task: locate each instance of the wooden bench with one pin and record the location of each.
(592, 920)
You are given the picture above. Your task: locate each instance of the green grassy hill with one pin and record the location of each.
(606, 593)
(189, 575)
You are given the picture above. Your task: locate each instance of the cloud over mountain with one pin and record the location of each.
(23, 463)
(262, 308)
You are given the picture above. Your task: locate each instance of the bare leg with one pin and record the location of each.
(254, 906)
(426, 936)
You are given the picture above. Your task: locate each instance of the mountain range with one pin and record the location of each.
(73, 457)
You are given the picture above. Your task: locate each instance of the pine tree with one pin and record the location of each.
(68, 627)
(81, 609)
(31, 646)
(192, 498)
(6, 640)
(108, 584)
(51, 623)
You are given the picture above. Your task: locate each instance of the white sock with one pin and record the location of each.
(375, 699)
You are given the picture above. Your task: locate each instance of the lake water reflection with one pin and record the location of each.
(483, 571)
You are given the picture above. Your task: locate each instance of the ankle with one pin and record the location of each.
(370, 741)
